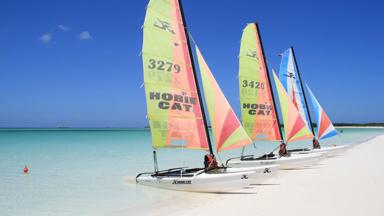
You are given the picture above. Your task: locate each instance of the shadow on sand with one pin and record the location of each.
(234, 193)
(302, 168)
(271, 184)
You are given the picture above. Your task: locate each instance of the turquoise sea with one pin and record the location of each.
(79, 172)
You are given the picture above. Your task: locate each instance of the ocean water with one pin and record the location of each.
(80, 172)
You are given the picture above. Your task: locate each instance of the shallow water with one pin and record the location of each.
(79, 172)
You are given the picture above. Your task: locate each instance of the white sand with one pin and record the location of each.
(351, 184)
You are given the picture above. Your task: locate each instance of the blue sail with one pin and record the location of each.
(289, 77)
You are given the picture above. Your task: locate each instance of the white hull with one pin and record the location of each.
(293, 162)
(329, 151)
(200, 181)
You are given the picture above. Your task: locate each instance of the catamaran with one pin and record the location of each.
(290, 77)
(325, 129)
(259, 116)
(175, 110)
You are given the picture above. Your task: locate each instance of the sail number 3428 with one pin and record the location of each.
(163, 65)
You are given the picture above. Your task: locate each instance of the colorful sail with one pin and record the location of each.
(295, 127)
(289, 77)
(325, 128)
(172, 100)
(257, 109)
(227, 130)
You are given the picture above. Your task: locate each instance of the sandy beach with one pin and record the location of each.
(349, 184)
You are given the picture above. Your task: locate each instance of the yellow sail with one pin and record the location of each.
(172, 100)
(258, 112)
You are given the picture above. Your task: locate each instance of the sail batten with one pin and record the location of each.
(173, 102)
(226, 128)
(259, 117)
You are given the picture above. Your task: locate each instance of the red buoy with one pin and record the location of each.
(26, 170)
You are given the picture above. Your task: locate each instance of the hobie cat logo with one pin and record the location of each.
(290, 75)
(252, 54)
(181, 102)
(258, 109)
(164, 25)
(244, 177)
(267, 170)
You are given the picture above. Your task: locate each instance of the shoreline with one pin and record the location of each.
(349, 184)
(368, 127)
(16, 129)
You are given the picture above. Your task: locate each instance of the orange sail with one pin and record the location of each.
(226, 128)
(257, 108)
(172, 100)
(295, 127)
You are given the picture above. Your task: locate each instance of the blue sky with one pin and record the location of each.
(77, 63)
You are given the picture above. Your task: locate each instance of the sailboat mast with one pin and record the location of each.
(302, 88)
(269, 80)
(196, 81)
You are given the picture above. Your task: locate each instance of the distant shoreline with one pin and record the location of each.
(139, 128)
(74, 129)
(359, 127)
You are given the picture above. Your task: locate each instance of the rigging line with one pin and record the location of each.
(222, 164)
(191, 37)
(182, 163)
(273, 150)
(156, 166)
(254, 145)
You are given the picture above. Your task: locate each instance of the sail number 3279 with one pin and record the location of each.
(163, 65)
(253, 84)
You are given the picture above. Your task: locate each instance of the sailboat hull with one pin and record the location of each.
(292, 162)
(217, 180)
(329, 151)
